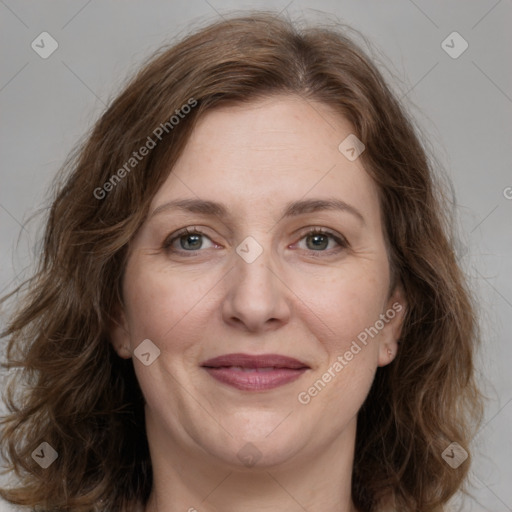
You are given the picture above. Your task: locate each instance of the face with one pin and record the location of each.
(269, 316)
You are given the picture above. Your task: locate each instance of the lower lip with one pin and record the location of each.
(255, 380)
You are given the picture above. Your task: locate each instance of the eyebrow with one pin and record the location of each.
(292, 209)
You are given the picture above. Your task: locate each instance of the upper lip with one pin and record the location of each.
(254, 361)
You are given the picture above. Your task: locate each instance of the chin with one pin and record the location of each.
(266, 445)
(248, 455)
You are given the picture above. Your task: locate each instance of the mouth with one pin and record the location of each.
(254, 372)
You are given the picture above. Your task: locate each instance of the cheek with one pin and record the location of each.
(342, 328)
(162, 305)
(344, 304)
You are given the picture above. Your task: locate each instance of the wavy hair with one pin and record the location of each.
(73, 391)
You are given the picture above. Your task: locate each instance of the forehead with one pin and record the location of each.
(255, 157)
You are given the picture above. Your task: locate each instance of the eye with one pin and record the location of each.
(318, 240)
(186, 241)
(191, 240)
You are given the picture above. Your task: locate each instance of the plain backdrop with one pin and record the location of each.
(462, 102)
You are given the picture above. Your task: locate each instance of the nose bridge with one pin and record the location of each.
(256, 294)
(253, 265)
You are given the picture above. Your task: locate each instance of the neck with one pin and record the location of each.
(187, 479)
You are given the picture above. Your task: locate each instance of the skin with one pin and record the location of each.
(295, 299)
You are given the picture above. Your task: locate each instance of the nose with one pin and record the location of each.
(258, 298)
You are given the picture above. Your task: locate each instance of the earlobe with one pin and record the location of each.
(387, 354)
(395, 314)
(119, 335)
(123, 351)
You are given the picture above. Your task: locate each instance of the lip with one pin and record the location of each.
(254, 372)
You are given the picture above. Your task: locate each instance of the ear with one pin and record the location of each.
(119, 333)
(393, 318)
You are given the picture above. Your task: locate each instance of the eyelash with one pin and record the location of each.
(340, 240)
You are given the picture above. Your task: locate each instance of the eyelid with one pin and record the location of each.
(321, 230)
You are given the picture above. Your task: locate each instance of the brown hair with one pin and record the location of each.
(81, 398)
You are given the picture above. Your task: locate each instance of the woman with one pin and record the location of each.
(247, 298)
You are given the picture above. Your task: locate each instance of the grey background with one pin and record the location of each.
(464, 106)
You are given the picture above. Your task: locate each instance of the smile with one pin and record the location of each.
(254, 372)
